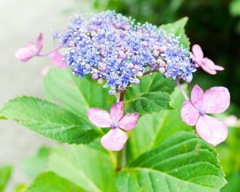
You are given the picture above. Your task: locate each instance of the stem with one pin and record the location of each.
(118, 96)
(120, 154)
(48, 53)
(151, 71)
(181, 89)
(119, 157)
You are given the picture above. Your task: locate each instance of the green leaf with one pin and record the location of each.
(154, 82)
(50, 120)
(49, 181)
(36, 164)
(151, 95)
(89, 168)
(5, 174)
(149, 103)
(2, 117)
(234, 8)
(21, 187)
(183, 162)
(74, 93)
(152, 129)
(177, 29)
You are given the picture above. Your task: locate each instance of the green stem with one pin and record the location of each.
(181, 89)
(119, 157)
(120, 154)
(150, 72)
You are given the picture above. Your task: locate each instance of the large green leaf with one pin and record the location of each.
(50, 120)
(152, 129)
(149, 103)
(177, 28)
(91, 169)
(49, 181)
(154, 82)
(5, 174)
(183, 162)
(74, 93)
(151, 95)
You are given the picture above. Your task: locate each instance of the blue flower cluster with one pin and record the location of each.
(113, 48)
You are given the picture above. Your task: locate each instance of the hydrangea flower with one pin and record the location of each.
(115, 139)
(203, 62)
(30, 50)
(113, 48)
(194, 112)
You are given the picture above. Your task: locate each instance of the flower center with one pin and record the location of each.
(114, 124)
(202, 113)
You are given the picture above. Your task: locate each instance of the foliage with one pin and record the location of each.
(166, 159)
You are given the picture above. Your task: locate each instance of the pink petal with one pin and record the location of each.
(39, 43)
(30, 49)
(211, 65)
(211, 129)
(216, 100)
(114, 140)
(189, 113)
(117, 111)
(197, 52)
(57, 59)
(27, 52)
(231, 121)
(208, 66)
(99, 117)
(218, 68)
(197, 97)
(45, 70)
(129, 121)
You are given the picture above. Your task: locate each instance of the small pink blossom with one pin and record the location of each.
(115, 139)
(30, 50)
(231, 121)
(214, 100)
(203, 62)
(58, 61)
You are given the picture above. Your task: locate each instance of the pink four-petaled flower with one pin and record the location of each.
(214, 100)
(115, 139)
(203, 62)
(30, 49)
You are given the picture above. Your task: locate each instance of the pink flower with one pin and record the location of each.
(57, 59)
(115, 139)
(205, 63)
(30, 50)
(214, 100)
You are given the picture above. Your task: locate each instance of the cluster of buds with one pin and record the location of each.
(113, 48)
